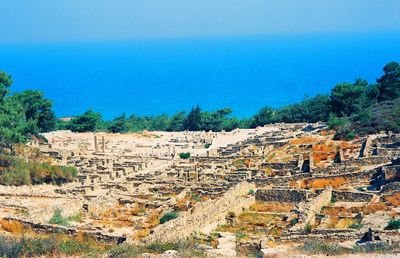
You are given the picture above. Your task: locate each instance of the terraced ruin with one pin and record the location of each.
(264, 190)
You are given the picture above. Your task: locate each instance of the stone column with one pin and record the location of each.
(103, 144)
(95, 144)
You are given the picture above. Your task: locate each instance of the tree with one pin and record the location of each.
(176, 122)
(389, 83)
(118, 125)
(263, 117)
(193, 120)
(87, 122)
(13, 126)
(37, 109)
(309, 110)
(347, 99)
(5, 83)
(214, 121)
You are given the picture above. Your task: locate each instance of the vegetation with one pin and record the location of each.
(16, 171)
(22, 114)
(59, 219)
(393, 224)
(60, 245)
(316, 247)
(168, 216)
(184, 155)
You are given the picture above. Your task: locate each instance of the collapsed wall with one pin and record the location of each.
(205, 216)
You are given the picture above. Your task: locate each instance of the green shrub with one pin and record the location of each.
(251, 192)
(293, 222)
(10, 247)
(16, 171)
(335, 122)
(38, 246)
(73, 246)
(125, 251)
(307, 227)
(58, 218)
(168, 216)
(240, 235)
(393, 224)
(184, 155)
(319, 247)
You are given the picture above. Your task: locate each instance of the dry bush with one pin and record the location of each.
(137, 209)
(344, 223)
(394, 199)
(153, 220)
(332, 221)
(256, 219)
(214, 243)
(142, 233)
(184, 203)
(374, 207)
(271, 207)
(12, 226)
(248, 163)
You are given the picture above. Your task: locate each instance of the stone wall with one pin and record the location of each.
(281, 195)
(205, 216)
(314, 206)
(342, 196)
(54, 229)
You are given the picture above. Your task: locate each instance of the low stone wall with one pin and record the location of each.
(53, 229)
(281, 195)
(300, 236)
(341, 196)
(205, 216)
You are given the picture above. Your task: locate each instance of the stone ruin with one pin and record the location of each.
(279, 183)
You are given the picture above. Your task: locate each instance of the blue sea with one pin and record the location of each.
(147, 77)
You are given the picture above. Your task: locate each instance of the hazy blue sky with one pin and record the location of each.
(26, 21)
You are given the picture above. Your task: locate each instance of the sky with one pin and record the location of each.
(38, 21)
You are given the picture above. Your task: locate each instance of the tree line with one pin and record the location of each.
(351, 108)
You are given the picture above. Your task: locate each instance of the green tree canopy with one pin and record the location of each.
(176, 123)
(118, 125)
(348, 98)
(193, 120)
(5, 83)
(37, 109)
(389, 83)
(263, 117)
(87, 122)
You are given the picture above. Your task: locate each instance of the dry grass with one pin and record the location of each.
(335, 182)
(141, 234)
(153, 220)
(335, 211)
(271, 207)
(394, 199)
(344, 223)
(304, 140)
(375, 207)
(256, 219)
(14, 227)
(184, 203)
